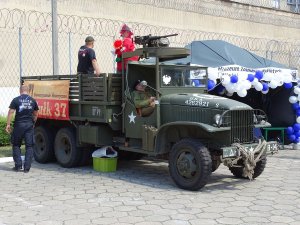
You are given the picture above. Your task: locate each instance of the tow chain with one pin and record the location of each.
(249, 158)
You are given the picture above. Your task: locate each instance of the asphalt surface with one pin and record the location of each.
(141, 192)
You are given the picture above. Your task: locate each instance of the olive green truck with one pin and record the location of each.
(193, 130)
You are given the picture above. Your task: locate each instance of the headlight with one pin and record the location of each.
(218, 119)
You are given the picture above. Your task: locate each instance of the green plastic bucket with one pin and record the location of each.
(105, 164)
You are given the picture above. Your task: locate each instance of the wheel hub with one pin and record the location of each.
(186, 165)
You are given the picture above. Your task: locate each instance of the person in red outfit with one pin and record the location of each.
(127, 46)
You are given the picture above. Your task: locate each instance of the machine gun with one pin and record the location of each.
(153, 41)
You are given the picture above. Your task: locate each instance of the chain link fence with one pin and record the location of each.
(26, 44)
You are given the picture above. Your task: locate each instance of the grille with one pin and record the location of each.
(242, 126)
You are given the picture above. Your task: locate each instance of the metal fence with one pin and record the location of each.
(26, 44)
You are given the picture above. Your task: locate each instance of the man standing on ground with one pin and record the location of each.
(26, 110)
(87, 62)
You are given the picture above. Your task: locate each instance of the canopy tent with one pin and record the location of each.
(216, 53)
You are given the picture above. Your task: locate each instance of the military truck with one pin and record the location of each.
(193, 130)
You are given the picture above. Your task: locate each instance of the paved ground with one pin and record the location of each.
(142, 193)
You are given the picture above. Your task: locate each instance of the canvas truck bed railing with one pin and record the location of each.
(93, 88)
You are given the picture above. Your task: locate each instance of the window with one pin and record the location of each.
(183, 77)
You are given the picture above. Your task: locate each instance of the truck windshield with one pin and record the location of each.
(183, 77)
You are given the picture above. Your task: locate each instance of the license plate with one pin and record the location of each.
(231, 151)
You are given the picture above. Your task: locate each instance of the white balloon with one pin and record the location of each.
(293, 99)
(298, 119)
(297, 90)
(242, 93)
(247, 84)
(273, 84)
(255, 81)
(265, 92)
(230, 88)
(258, 86)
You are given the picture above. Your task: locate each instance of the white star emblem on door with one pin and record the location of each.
(131, 118)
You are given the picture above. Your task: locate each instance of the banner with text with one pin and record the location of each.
(52, 98)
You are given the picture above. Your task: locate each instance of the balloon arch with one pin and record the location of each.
(228, 80)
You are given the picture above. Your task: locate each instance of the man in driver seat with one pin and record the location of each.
(143, 101)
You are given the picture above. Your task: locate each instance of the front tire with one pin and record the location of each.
(259, 168)
(43, 148)
(190, 164)
(66, 152)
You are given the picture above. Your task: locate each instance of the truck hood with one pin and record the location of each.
(203, 101)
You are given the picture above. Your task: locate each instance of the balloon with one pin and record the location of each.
(234, 79)
(210, 84)
(265, 92)
(289, 130)
(298, 112)
(297, 134)
(288, 85)
(242, 93)
(246, 84)
(292, 137)
(298, 119)
(258, 86)
(297, 140)
(296, 127)
(250, 77)
(259, 74)
(273, 84)
(265, 87)
(255, 81)
(296, 106)
(297, 90)
(293, 99)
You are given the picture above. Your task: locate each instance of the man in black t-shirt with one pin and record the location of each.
(87, 62)
(26, 110)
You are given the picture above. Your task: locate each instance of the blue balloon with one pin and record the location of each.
(250, 77)
(296, 106)
(298, 112)
(288, 85)
(265, 86)
(296, 127)
(292, 137)
(210, 84)
(234, 79)
(259, 74)
(289, 130)
(297, 140)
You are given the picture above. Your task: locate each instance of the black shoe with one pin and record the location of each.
(17, 169)
(26, 170)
